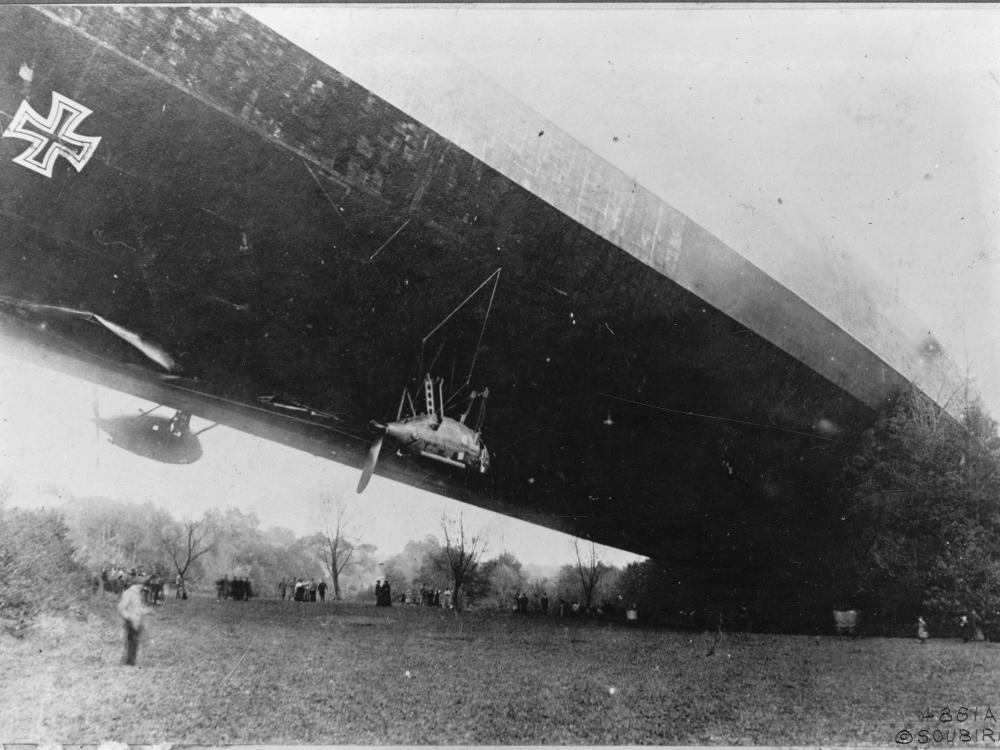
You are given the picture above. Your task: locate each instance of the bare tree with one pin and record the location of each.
(335, 549)
(186, 541)
(462, 554)
(590, 570)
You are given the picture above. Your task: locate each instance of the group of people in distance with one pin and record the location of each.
(970, 627)
(115, 579)
(423, 597)
(538, 604)
(238, 588)
(302, 590)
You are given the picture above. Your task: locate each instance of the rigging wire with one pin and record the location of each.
(495, 277)
(440, 349)
(336, 209)
(463, 303)
(718, 418)
(391, 237)
(482, 330)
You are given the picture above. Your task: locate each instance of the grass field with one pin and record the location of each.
(280, 672)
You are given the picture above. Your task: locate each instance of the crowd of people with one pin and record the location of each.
(115, 579)
(539, 604)
(302, 590)
(422, 597)
(238, 588)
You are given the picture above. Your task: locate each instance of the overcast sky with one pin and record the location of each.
(877, 127)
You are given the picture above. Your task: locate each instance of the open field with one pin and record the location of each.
(282, 672)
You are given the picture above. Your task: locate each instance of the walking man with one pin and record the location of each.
(131, 609)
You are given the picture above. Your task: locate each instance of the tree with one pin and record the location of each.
(395, 574)
(185, 542)
(503, 579)
(107, 531)
(432, 572)
(608, 591)
(38, 568)
(278, 536)
(237, 540)
(924, 491)
(566, 587)
(462, 553)
(334, 548)
(589, 569)
(414, 565)
(364, 571)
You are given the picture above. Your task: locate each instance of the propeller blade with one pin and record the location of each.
(369, 467)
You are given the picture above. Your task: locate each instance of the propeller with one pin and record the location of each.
(376, 447)
(369, 466)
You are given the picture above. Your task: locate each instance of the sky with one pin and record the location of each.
(877, 127)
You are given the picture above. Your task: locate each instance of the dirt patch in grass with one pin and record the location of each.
(287, 673)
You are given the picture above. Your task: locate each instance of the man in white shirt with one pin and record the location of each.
(131, 609)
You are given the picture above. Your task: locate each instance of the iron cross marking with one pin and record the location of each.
(53, 136)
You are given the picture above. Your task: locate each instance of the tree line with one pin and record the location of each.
(921, 514)
(68, 547)
(909, 527)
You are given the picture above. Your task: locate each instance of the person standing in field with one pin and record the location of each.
(976, 626)
(181, 591)
(921, 630)
(321, 590)
(131, 608)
